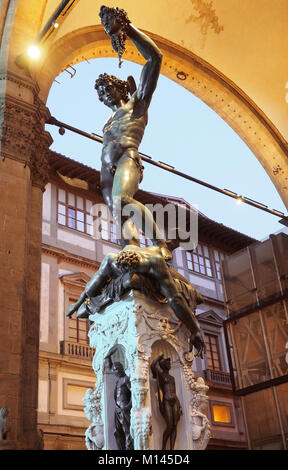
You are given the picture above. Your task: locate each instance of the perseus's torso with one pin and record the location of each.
(122, 131)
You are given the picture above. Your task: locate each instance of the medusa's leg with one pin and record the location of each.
(180, 306)
(177, 301)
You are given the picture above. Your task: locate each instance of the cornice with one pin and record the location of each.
(57, 359)
(21, 80)
(78, 279)
(69, 257)
(213, 302)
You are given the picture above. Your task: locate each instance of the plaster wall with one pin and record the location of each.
(228, 35)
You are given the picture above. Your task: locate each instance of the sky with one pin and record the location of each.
(182, 131)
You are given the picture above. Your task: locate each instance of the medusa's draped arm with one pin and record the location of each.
(96, 283)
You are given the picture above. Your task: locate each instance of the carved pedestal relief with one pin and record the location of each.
(142, 329)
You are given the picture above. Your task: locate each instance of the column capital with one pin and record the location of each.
(22, 120)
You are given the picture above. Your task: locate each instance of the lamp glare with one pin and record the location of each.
(33, 52)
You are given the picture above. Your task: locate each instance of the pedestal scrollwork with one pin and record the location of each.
(200, 426)
(141, 427)
(197, 389)
(136, 323)
(94, 435)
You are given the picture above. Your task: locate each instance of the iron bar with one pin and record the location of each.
(52, 20)
(53, 121)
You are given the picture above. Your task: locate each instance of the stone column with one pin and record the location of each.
(23, 175)
(145, 328)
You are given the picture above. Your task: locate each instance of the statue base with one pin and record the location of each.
(142, 329)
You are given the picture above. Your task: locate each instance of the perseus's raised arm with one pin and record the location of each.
(117, 24)
(151, 70)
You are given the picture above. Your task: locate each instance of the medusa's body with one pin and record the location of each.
(149, 262)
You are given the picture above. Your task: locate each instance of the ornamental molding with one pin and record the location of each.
(66, 256)
(211, 317)
(78, 279)
(136, 323)
(20, 80)
(23, 137)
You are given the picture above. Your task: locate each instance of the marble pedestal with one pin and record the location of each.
(143, 328)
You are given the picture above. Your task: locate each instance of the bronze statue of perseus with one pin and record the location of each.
(122, 169)
(121, 173)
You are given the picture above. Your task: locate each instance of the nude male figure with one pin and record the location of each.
(169, 404)
(123, 404)
(121, 170)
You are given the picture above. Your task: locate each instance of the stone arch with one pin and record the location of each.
(194, 74)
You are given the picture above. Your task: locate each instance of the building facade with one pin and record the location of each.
(70, 256)
(255, 281)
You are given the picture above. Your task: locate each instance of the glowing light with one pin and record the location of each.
(239, 201)
(56, 25)
(221, 414)
(34, 52)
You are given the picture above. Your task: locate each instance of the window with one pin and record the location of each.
(78, 330)
(75, 341)
(222, 413)
(73, 211)
(199, 260)
(144, 242)
(73, 392)
(218, 257)
(212, 352)
(113, 234)
(107, 228)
